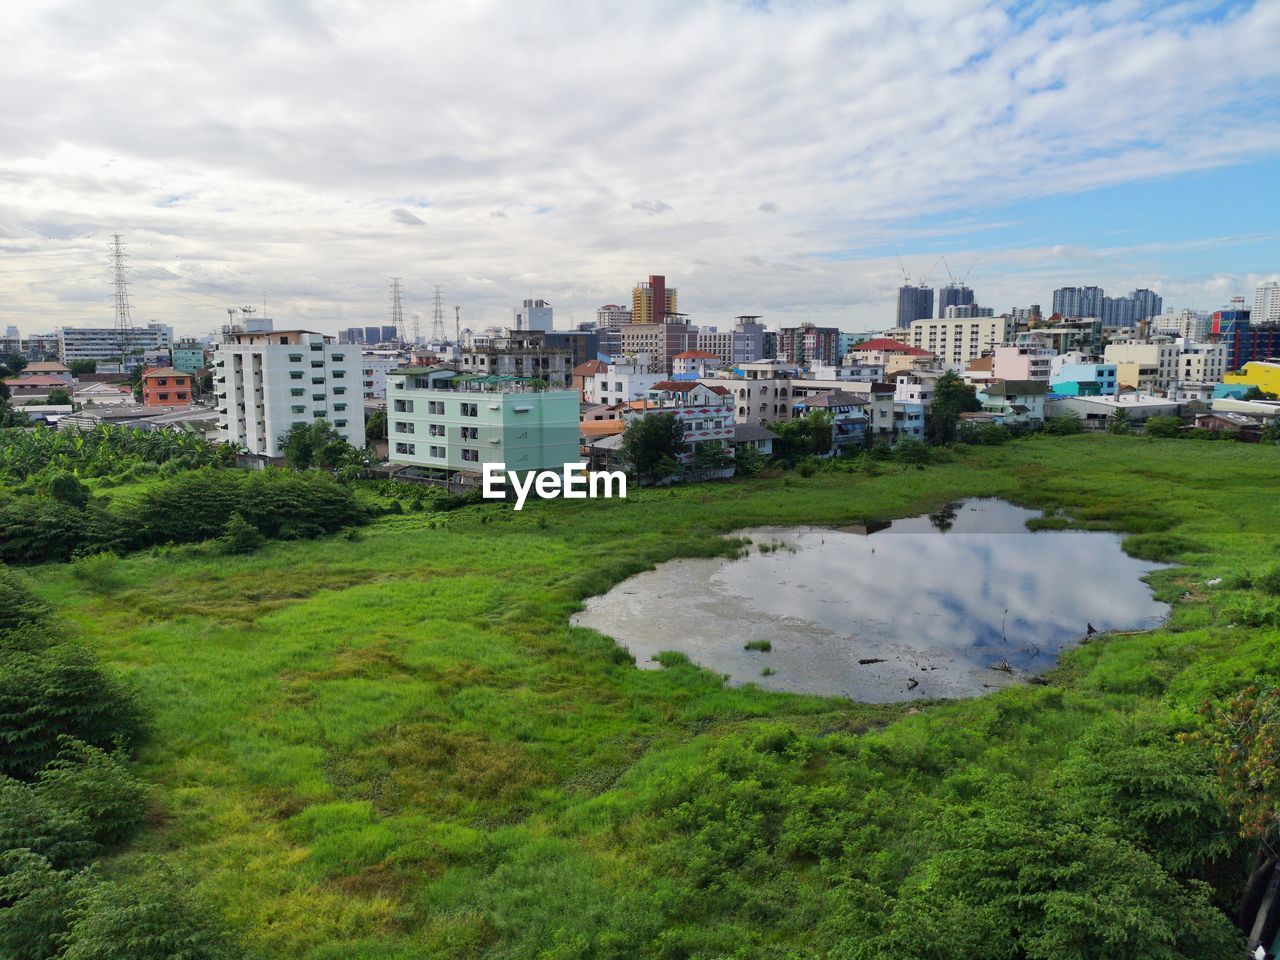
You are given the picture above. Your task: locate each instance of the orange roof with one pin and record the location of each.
(164, 372)
(590, 368)
(601, 428)
(980, 363)
(697, 355)
(889, 346)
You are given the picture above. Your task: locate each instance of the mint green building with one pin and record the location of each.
(189, 356)
(449, 422)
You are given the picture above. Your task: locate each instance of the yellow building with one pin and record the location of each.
(645, 294)
(1263, 374)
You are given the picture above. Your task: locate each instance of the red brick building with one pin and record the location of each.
(166, 387)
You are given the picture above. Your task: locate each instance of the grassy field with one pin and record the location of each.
(391, 744)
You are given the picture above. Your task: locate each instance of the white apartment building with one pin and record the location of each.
(695, 363)
(958, 340)
(374, 368)
(267, 382)
(103, 343)
(1266, 304)
(627, 378)
(1027, 359)
(1191, 324)
(1201, 362)
(761, 394)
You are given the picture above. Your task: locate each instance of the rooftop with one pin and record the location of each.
(886, 345)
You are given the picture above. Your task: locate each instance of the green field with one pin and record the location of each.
(391, 744)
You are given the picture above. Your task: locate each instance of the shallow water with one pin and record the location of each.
(940, 599)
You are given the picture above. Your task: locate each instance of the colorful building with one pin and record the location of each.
(1263, 374)
(166, 387)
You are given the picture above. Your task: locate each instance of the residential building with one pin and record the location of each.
(1200, 362)
(166, 387)
(743, 344)
(1089, 378)
(761, 391)
(583, 343)
(374, 368)
(48, 368)
(625, 378)
(189, 356)
(915, 386)
(106, 343)
(915, 302)
(1191, 324)
(652, 301)
(705, 411)
(1263, 374)
(442, 422)
(660, 341)
(1144, 364)
(1266, 303)
(520, 354)
(1078, 301)
(1097, 412)
(35, 347)
(890, 355)
(1028, 358)
(1016, 402)
(534, 315)
(695, 364)
(612, 316)
(351, 335)
(104, 395)
(963, 311)
(753, 435)
(958, 341)
(952, 295)
(849, 417)
(808, 343)
(267, 382)
(35, 387)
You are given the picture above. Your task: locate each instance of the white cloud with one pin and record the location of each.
(251, 148)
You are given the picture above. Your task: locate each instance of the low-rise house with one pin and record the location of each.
(47, 368)
(1096, 412)
(695, 363)
(625, 378)
(705, 411)
(849, 417)
(166, 387)
(445, 424)
(36, 386)
(891, 355)
(1026, 359)
(753, 435)
(1087, 379)
(1248, 429)
(1019, 402)
(103, 394)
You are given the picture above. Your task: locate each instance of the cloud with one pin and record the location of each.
(876, 126)
(401, 215)
(651, 207)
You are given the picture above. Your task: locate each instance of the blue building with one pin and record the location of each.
(1084, 379)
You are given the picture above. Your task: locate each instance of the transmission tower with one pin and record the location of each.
(437, 317)
(124, 322)
(397, 310)
(417, 327)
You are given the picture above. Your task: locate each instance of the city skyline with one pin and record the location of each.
(310, 153)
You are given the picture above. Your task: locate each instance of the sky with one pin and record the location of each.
(767, 158)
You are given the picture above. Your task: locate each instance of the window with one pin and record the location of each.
(617, 387)
(164, 396)
(469, 409)
(339, 406)
(437, 430)
(406, 448)
(402, 427)
(298, 409)
(295, 374)
(336, 356)
(339, 423)
(339, 390)
(435, 406)
(404, 406)
(317, 346)
(317, 363)
(470, 433)
(317, 379)
(317, 414)
(317, 396)
(295, 358)
(337, 374)
(472, 456)
(297, 392)
(437, 452)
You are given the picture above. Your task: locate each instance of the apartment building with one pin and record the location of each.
(1163, 362)
(267, 382)
(105, 343)
(761, 391)
(374, 368)
(166, 387)
(959, 340)
(705, 411)
(1027, 359)
(627, 378)
(661, 341)
(442, 422)
(808, 343)
(522, 355)
(743, 344)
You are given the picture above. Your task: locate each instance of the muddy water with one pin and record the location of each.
(935, 600)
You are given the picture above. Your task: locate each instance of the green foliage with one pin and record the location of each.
(102, 451)
(78, 367)
(951, 397)
(38, 901)
(911, 451)
(58, 397)
(96, 787)
(65, 488)
(375, 428)
(317, 444)
(1119, 424)
(807, 436)
(653, 444)
(763, 646)
(1163, 427)
(984, 434)
(19, 606)
(240, 536)
(712, 455)
(1257, 393)
(1243, 734)
(1269, 582)
(749, 461)
(1064, 425)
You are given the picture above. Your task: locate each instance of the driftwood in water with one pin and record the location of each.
(867, 660)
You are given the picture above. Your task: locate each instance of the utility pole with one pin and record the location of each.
(124, 321)
(397, 309)
(437, 317)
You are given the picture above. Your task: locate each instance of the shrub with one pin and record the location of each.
(97, 787)
(1165, 427)
(240, 536)
(19, 607)
(1064, 425)
(101, 571)
(762, 646)
(37, 901)
(1269, 582)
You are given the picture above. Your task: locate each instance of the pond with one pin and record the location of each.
(950, 604)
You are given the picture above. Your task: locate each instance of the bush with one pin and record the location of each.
(37, 900)
(240, 536)
(1164, 427)
(19, 607)
(1269, 582)
(97, 787)
(1064, 425)
(911, 452)
(101, 571)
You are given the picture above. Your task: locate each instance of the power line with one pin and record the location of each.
(397, 309)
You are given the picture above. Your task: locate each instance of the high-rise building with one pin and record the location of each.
(915, 302)
(534, 315)
(652, 301)
(963, 311)
(372, 334)
(267, 382)
(957, 341)
(661, 341)
(1078, 301)
(103, 343)
(1266, 303)
(808, 343)
(352, 335)
(1146, 304)
(390, 334)
(612, 316)
(523, 354)
(953, 295)
(743, 344)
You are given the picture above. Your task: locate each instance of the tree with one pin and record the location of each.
(1064, 425)
(375, 428)
(15, 362)
(712, 455)
(749, 461)
(240, 536)
(58, 397)
(951, 397)
(77, 367)
(653, 444)
(1119, 424)
(65, 488)
(317, 444)
(1255, 393)
(1164, 427)
(807, 436)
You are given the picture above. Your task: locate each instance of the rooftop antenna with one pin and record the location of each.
(437, 317)
(124, 320)
(397, 309)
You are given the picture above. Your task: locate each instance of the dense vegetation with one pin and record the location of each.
(67, 797)
(122, 453)
(396, 747)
